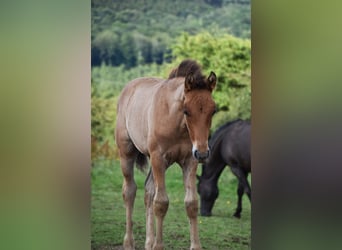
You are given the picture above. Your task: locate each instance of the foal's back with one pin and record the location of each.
(133, 110)
(149, 114)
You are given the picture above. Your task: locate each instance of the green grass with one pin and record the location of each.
(221, 231)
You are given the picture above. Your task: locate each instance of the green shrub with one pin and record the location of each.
(230, 58)
(227, 56)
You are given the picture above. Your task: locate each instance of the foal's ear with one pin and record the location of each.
(189, 82)
(212, 80)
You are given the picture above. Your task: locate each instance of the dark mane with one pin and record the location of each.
(188, 67)
(218, 133)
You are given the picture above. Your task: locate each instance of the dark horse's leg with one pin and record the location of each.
(238, 210)
(248, 189)
(243, 187)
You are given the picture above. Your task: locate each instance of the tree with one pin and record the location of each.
(105, 43)
(230, 58)
(216, 3)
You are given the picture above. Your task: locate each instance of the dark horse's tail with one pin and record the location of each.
(141, 162)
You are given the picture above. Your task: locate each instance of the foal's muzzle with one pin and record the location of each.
(201, 156)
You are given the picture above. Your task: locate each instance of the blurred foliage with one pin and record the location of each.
(121, 31)
(226, 55)
(230, 58)
(124, 46)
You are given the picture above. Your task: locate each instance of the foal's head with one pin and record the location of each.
(198, 108)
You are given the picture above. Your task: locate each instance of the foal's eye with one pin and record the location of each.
(186, 112)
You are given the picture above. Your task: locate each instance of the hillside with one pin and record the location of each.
(136, 32)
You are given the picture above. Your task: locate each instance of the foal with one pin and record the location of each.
(167, 121)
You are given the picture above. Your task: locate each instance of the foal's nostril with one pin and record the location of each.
(196, 154)
(201, 156)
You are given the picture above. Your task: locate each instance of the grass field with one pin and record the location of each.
(221, 231)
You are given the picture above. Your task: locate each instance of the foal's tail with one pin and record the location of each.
(141, 162)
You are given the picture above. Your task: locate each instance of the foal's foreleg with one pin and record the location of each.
(149, 195)
(191, 203)
(160, 200)
(129, 189)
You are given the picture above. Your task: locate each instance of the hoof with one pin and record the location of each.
(128, 247)
(205, 214)
(237, 215)
(158, 247)
(196, 247)
(149, 244)
(128, 243)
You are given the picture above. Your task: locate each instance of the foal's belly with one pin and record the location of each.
(137, 131)
(137, 112)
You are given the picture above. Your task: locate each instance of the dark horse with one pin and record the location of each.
(230, 145)
(166, 120)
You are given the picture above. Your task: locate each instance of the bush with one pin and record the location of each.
(230, 58)
(227, 56)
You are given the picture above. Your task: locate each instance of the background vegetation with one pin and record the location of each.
(137, 38)
(227, 56)
(135, 32)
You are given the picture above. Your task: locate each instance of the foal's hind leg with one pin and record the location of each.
(128, 154)
(129, 189)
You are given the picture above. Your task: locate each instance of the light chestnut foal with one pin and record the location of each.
(168, 121)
